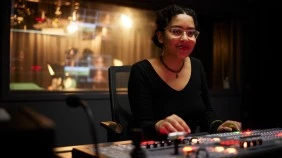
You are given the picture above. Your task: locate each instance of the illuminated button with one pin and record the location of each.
(187, 150)
(194, 141)
(216, 139)
(218, 149)
(230, 142)
(147, 144)
(231, 150)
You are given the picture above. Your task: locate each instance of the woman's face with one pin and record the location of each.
(179, 37)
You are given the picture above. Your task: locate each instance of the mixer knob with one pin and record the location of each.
(148, 145)
(253, 143)
(137, 151)
(168, 143)
(249, 143)
(162, 143)
(244, 144)
(256, 142)
(155, 145)
(259, 141)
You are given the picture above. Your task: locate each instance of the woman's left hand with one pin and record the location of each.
(229, 126)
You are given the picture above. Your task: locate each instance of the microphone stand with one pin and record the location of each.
(75, 101)
(92, 126)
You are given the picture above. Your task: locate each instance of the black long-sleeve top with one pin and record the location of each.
(151, 99)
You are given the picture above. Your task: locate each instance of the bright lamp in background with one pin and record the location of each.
(72, 27)
(126, 21)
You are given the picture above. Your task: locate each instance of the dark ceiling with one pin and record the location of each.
(214, 8)
(201, 5)
(155, 4)
(206, 7)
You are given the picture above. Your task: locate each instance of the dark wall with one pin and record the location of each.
(262, 84)
(227, 104)
(71, 124)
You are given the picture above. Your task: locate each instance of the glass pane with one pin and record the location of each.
(67, 45)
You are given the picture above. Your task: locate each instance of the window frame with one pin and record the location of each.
(7, 95)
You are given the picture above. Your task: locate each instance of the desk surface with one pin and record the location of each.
(66, 152)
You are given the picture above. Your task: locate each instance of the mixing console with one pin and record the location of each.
(265, 143)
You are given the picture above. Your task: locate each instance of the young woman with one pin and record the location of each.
(170, 93)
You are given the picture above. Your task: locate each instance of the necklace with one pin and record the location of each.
(171, 70)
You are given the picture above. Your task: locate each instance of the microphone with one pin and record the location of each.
(75, 101)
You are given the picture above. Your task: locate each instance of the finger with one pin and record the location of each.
(163, 127)
(160, 128)
(225, 129)
(169, 127)
(181, 124)
(238, 126)
(179, 127)
(163, 130)
(186, 127)
(233, 124)
(173, 120)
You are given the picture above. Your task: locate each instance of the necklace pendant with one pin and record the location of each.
(171, 70)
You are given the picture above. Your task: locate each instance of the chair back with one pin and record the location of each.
(120, 108)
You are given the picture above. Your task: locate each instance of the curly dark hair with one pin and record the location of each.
(165, 15)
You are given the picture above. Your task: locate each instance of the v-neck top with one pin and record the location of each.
(152, 99)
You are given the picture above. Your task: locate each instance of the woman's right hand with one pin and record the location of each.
(172, 123)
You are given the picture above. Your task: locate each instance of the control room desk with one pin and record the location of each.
(258, 143)
(66, 152)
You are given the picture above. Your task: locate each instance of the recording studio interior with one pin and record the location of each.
(65, 67)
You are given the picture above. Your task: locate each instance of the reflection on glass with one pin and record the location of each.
(67, 45)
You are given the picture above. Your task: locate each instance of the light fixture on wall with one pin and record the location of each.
(73, 19)
(126, 21)
(72, 27)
